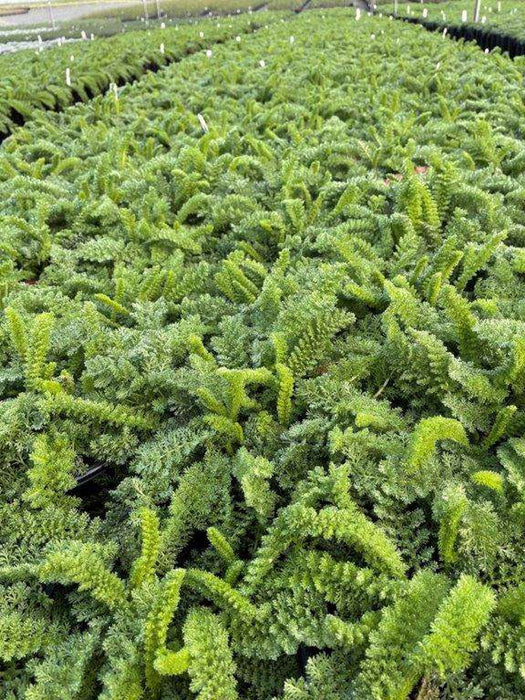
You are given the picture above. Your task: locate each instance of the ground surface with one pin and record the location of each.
(64, 13)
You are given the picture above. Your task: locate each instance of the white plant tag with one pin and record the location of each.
(202, 122)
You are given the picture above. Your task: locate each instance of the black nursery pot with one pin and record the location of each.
(485, 39)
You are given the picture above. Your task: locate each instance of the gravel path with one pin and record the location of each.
(62, 13)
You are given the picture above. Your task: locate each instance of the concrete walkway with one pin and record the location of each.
(62, 13)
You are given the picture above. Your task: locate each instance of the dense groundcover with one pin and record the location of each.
(40, 80)
(262, 371)
(503, 20)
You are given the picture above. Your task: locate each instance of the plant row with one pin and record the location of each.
(53, 79)
(262, 373)
(503, 18)
(201, 8)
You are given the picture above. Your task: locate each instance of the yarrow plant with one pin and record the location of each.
(261, 384)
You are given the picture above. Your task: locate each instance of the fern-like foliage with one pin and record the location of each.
(210, 665)
(427, 434)
(262, 366)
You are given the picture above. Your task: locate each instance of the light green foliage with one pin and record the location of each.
(456, 628)
(201, 498)
(235, 280)
(440, 636)
(455, 505)
(24, 628)
(156, 627)
(211, 666)
(17, 332)
(393, 663)
(313, 342)
(98, 411)
(51, 475)
(221, 544)
(492, 480)
(415, 199)
(196, 345)
(428, 432)
(501, 424)
(83, 564)
(254, 474)
(65, 672)
(224, 595)
(144, 567)
(32, 346)
(115, 307)
(284, 399)
(347, 526)
(474, 259)
(172, 663)
(460, 313)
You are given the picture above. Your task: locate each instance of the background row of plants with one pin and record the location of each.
(506, 17)
(262, 364)
(53, 79)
